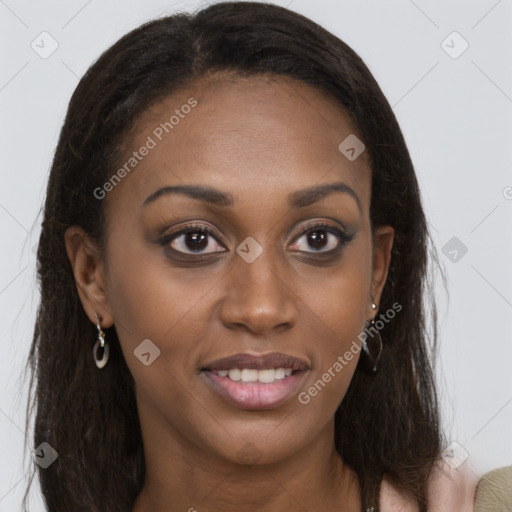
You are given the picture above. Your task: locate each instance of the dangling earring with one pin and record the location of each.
(374, 351)
(100, 342)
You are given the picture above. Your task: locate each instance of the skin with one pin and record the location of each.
(258, 139)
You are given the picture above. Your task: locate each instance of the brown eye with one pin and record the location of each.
(321, 238)
(192, 240)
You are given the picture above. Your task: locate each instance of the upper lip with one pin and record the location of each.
(257, 362)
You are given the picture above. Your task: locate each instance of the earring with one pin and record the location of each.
(100, 342)
(374, 351)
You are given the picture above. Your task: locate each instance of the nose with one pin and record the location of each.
(260, 297)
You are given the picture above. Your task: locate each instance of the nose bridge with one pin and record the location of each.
(259, 296)
(261, 275)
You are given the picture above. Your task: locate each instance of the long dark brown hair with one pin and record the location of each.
(388, 422)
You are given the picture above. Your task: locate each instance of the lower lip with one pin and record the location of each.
(254, 395)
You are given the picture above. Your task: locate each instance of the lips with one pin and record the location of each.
(226, 378)
(255, 362)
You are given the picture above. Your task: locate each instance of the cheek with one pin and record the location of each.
(150, 300)
(339, 296)
(335, 314)
(169, 309)
(336, 327)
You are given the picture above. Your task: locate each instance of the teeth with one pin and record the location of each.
(235, 374)
(280, 373)
(249, 375)
(266, 376)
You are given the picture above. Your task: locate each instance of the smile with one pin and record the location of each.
(255, 381)
(255, 389)
(266, 376)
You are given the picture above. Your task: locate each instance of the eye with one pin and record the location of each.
(197, 239)
(191, 240)
(322, 238)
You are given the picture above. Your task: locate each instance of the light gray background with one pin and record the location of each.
(456, 117)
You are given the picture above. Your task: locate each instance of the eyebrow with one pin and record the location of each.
(298, 199)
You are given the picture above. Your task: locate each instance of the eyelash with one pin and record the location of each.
(343, 238)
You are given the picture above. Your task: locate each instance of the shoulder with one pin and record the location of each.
(392, 500)
(450, 490)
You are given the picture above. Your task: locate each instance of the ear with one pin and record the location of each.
(382, 244)
(88, 270)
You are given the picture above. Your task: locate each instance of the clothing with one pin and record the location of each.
(457, 490)
(494, 491)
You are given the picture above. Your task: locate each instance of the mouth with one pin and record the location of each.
(255, 382)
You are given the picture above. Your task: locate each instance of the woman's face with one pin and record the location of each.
(254, 284)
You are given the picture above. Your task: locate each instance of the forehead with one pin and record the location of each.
(258, 138)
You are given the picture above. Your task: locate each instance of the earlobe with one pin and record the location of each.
(382, 245)
(88, 271)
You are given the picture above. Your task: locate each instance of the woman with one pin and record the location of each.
(233, 270)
